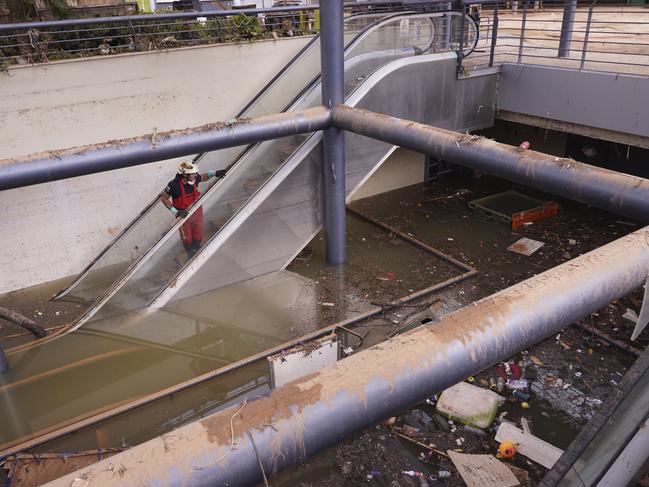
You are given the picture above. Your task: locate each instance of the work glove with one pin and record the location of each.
(178, 213)
(219, 174)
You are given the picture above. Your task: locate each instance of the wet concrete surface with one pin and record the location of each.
(380, 269)
(124, 358)
(574, 372)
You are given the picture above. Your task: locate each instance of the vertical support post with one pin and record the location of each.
(333, 140)
(569, 9)
(584, 48)
(446, 34)
(460, 52)
(523, 22)
(494, 36)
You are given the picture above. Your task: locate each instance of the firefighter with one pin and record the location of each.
(180, 194)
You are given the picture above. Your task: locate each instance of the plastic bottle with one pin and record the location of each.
(500, 384)
(412, 473)
(517, 384)
(523, 396)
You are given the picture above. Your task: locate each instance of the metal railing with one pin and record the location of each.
(40, 42)
(598, 36)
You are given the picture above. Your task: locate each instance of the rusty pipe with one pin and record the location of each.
(609, 190)
(323, 408)
(78, 161)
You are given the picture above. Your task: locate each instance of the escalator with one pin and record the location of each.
(146, 264)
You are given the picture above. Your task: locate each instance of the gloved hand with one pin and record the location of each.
(219, 174)
(181, 213)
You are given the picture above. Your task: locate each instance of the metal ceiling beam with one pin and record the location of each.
(609, 190)
(78, 161)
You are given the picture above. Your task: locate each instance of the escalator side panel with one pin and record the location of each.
(271, 237)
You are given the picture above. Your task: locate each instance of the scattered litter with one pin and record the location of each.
(630, 315)
(506, 449)
(536, 360)
(526, 425)
(529, 445)
(572, 241)
(523, 146)
(386, 276)
(469, 404)
(483, 470)
(520, 395)
(525, 246)
(517, 384)
(330, 305)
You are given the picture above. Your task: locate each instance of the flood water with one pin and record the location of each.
(118, 359)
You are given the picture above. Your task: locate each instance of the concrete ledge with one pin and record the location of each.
(594, 99)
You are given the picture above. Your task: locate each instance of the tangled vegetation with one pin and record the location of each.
(48, 44)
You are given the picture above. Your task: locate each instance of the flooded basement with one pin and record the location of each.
(113, 362)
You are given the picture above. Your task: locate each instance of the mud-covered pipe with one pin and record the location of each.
(22, 321)
(610, 190)
(322, 409)
(332, 44)
(78, 161)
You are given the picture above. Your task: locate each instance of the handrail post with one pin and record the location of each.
(460, 52)
(584, 48)
(494, 36)
(523, 22)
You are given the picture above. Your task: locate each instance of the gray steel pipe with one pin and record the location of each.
(332, 55)
(567, 26)
(322, 409)
(78, 161)
(609, 190)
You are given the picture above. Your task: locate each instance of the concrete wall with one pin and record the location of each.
(53, 230)
(403, 168)
(608, 101)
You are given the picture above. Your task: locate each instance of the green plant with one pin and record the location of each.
(247, 27)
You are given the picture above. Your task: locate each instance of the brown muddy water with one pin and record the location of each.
(110, 362)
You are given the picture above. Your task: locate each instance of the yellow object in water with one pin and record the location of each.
(507, 449)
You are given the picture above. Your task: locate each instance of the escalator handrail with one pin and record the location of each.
(296, 100)
(288, 65)
(152, 203)
(63, 292)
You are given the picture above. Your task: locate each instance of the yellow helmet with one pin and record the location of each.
(187, 167)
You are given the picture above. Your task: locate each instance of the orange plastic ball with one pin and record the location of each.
(507, 449)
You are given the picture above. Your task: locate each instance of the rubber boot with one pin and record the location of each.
(193, 248)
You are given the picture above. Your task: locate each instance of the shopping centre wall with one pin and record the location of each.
(53, 230)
